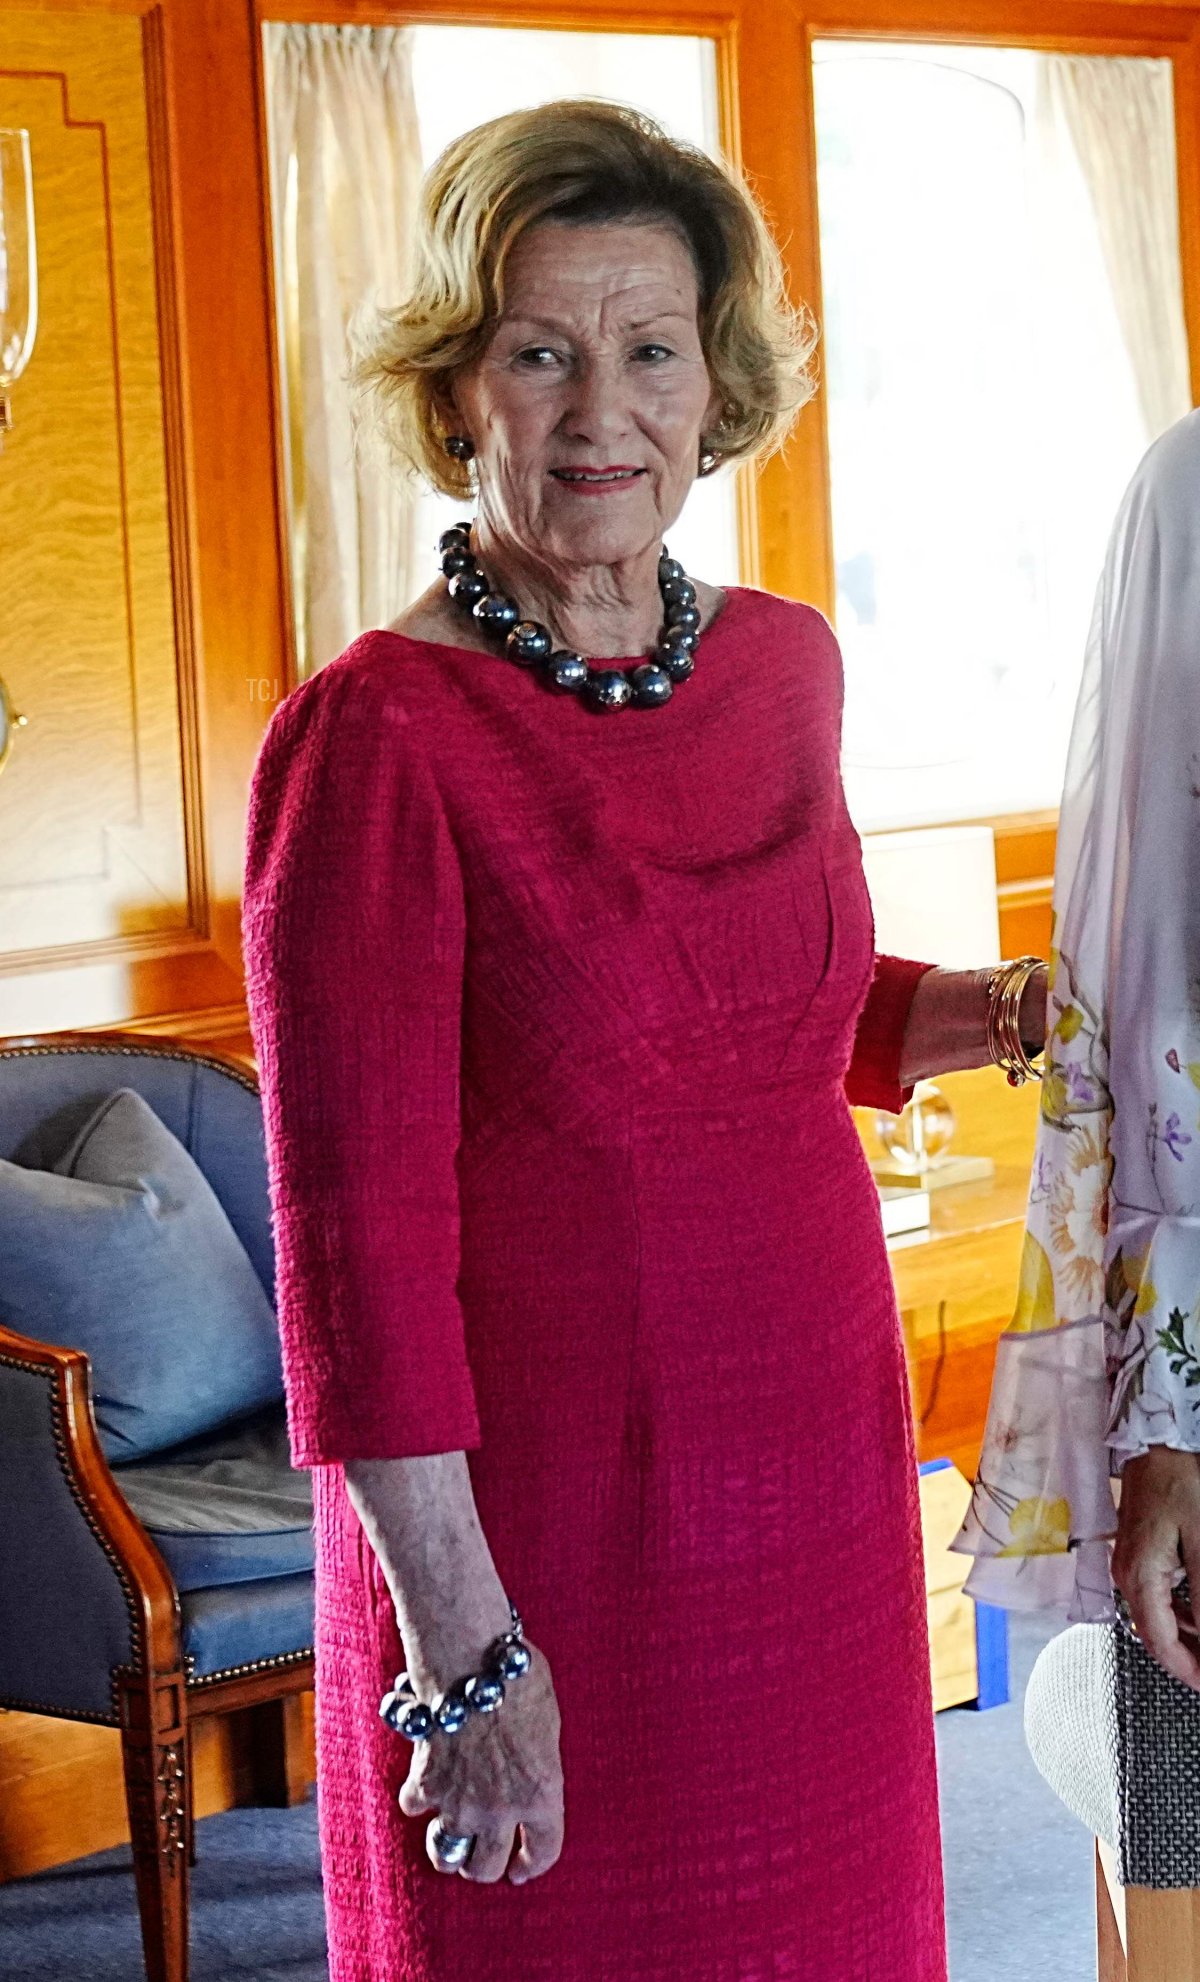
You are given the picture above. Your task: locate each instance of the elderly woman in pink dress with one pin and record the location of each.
(561, 969)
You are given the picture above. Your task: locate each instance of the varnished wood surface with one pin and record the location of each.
(974, 1237)
(955, 1666)
(956, 1284)
(92, 802)
(1143, 1935)
(1111, 1965)
(62, 1795)
(138, 914)
(1162, 1935)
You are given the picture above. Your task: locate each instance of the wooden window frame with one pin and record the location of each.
(764, 65)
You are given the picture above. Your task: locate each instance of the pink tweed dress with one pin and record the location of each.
(557, 1013)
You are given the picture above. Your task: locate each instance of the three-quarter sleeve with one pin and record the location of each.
(873, 1079)
(354, 935)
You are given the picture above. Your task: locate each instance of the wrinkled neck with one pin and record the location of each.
(603, 611)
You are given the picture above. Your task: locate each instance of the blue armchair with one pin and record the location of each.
(126, 1600)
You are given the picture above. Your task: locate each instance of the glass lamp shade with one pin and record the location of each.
(18, 257)
(922, 1134)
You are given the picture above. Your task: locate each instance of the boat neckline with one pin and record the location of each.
(735, 595)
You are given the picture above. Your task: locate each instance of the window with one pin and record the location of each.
(985, 410)
(1000, 298)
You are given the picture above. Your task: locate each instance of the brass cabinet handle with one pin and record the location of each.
(10, 722)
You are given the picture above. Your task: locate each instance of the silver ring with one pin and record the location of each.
(452, 1849)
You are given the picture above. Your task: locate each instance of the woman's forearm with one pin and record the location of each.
(947, 1023)
(420, 1518)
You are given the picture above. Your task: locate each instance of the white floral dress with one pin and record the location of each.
(1102, 1359)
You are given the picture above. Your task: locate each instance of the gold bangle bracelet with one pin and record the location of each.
(1006, 988)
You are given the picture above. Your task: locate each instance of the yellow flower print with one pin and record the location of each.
(1035, 1307)
(1138, 1282)
(1133, 1267)
(1039, 1527)
(1077, 1213)
(1090, 1151)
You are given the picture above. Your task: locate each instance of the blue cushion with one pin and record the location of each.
(123, 1250)
(247, 1622)
(228, 1507)
(47, 1093)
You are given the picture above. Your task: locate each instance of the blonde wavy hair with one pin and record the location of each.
(577, 161)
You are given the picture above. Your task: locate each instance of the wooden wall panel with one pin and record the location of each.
(138, 533)
(91, 800)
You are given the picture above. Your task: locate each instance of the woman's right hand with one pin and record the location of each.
(1158, 1529)
(500, 1778)
(500, 1781)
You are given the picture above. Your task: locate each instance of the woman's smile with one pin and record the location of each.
(596, 481)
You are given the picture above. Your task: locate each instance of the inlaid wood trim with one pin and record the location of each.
(195, 932)
(211, 1022)
(98, 127)
(1025, 894)
(176, 428)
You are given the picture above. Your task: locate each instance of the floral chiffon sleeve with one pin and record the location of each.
(1102, 1360)
(1152, 1247)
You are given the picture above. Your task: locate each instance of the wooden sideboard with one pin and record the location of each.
(955, 1287)
(956, 1283)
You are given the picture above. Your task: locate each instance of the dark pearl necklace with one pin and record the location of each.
(529, 644)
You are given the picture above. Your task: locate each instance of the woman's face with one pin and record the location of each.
(587, 407)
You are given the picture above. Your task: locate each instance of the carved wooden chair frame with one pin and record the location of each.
(156, 1698)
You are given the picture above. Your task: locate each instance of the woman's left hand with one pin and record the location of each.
(1158, 1527)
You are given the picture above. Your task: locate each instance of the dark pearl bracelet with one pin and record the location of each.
(507, 1658)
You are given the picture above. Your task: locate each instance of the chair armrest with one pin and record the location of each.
(1155, 1731)
(86, 1592)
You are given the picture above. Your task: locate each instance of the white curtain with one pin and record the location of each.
(1119, 112)
(345, 170)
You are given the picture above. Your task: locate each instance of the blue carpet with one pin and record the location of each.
(1020, 1885)
(256, 1909)
(1018, 1873)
